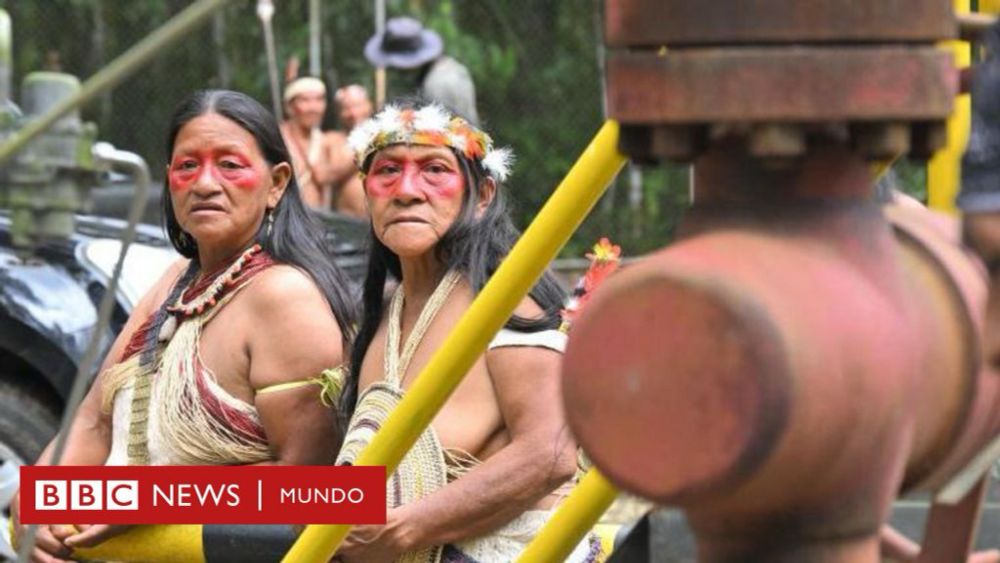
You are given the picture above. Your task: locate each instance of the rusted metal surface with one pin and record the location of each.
(685, 22)
(947, 439)
(951, 530)
(783, 84)
(794, 361)
(778, 371)
(881, 140)
(777, 140)
(734, 366)
(737, 356)
(681, 143)
(927, 138)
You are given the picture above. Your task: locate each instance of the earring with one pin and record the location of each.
(270, 223)
(184, 239)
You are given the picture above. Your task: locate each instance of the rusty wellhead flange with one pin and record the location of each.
(682, 73)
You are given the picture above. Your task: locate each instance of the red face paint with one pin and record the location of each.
(430, 176)
(223, 168)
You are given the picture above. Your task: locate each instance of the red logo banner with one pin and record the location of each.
(203, 495)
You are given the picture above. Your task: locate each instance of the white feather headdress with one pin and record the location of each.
(430, 125)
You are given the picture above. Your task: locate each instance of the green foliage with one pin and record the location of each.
(912, 177)
(534, 62)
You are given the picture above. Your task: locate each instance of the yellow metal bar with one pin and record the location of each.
(151, 544)
(880, 167)
(944, 171)
(552, 227)
(571, 522)
(989, 6)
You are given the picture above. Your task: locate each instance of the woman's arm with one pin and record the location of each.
(540, 456)
(294, 337)
(339, 157)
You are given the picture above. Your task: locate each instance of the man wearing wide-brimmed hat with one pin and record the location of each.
(406, 45)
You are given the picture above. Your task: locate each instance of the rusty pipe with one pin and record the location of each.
(766, 372)
(965, 388)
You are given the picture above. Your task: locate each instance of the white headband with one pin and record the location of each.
(304, 85)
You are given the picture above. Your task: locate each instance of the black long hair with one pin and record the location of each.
(474, 246)
(296, 237)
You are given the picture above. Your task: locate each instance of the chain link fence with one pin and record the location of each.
(536, 65)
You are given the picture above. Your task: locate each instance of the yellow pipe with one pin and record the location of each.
(571, 522)
(944, 171)
(989, 6)
(151, 544)
(552, 227)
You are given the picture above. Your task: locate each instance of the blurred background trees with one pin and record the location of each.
(536, 65)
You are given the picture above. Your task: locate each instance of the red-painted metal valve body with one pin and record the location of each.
(780, 370)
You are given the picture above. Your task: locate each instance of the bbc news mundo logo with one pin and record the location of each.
(86, 495)
(203, 495)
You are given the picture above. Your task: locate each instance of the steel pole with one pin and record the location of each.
(555, 223)
(121, 68)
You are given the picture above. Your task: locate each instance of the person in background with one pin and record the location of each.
(312, 150)
(353, 107)
(483, 478)
(406, 45)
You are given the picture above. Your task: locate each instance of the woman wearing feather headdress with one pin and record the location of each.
(480, 481)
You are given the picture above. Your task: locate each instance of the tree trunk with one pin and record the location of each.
(223, 70)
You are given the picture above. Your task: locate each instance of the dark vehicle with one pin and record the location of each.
(48, 313)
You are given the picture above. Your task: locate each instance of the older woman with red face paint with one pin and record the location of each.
(482, 479)
(225, 361)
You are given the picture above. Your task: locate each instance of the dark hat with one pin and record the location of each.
(404, 44)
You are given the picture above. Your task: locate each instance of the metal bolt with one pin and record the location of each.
(679, 143)
(926, 138)
(881, 141)
(777, 140)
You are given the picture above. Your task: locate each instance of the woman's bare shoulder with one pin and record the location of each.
(284, 285)
(290, 328)
(283, 293)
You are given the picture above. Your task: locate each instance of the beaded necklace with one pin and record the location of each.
(208, 297)
(204, 295)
